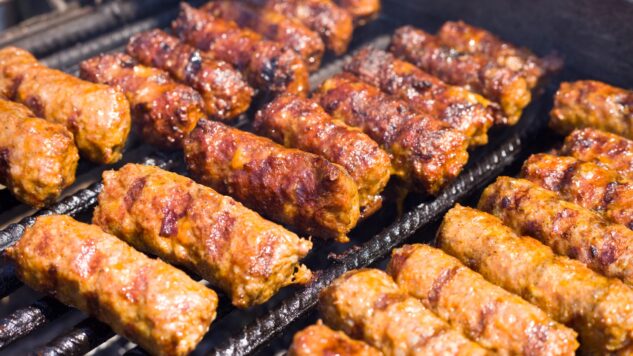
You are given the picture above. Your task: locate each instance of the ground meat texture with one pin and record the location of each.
(367, 304)
(145, 300)
(268, 66)
(584, 183)
(425, 153)
(191, 225)
(273, 25)
(463, 110)
(301, 123)
(363, 11)
(567, 228)
(319, 340)
(474, 71)
(225, 92)
(293, 187)
(38, 158)
(97, 115)
(486, 313)
(598, 308)
(589, 103)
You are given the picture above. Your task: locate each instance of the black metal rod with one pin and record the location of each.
(26, 320)
(84, 337)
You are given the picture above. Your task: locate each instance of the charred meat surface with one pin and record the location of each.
(363, 11)
(320, 340)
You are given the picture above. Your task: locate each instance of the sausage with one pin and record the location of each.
(589, 103)
(474, 71)
(467, 112)
(367, 304)
(486, 313)
(426, 153)
(301, 123)
(584, 183)
(38, 159)
(164, 111)
(567, 228)
(598, 308)
(274, 26)
(362, 11)
(98, 116)
(225, 92)
(268, 65)
(293, 187)
(319, 340)
(143, 299)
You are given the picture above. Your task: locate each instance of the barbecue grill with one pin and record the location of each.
(594, 37)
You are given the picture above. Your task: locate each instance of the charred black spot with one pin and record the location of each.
(269, 70)
(35, 104)
(126, 62)
(193, 65)
(608, 253)
(173, 211)
(610, 193)
(506, 202)
(134, 192)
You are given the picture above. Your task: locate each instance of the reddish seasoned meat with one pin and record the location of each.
(363, 11)
(319, 340)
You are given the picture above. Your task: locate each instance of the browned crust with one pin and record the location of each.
(320, 340)
(363, 11)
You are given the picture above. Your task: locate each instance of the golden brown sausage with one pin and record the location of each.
(97, 115)
(363, 11)
(319, 340)
(143, 299)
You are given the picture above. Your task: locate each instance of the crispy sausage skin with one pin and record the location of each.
(367, 304)
(474, 71)
(567, 228)
(301, 123)
(143, 299)
(38, 158)
(225, 92)
(584, 183)
(426, 153)
(463, 110)
(589, 103)
(598, 308)
(319, 340)
(289, 186)
(486, 313)
(164, 110)
(363, 11)
(268, 65)
(188, 224)
(97, 115)
(274, 26)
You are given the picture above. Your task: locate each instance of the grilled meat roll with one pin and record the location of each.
(589, 103)
(98, 116)
(567, 228)
(289, 186)
(367, 304)
(363, 11)
(188, 224)
(268, 65)
(465, 111)
(273, 25)
(38, 158)
(598, 308)
(301, 123)
(584, 183)
(319, 340)
(143, 299)
(426, 153)
(165, 111)
(474, 71)
(486, 313)
(223, 89)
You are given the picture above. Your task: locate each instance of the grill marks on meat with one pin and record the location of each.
(320, 340)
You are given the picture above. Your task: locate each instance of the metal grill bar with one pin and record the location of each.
(26, 320)
(84, 337)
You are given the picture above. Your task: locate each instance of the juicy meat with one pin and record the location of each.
(584, 183)
(97, 115)
(273, 25)
(38, 158)
(598, 308)
(293, 187)
(143, 299)
(188, 224)
(426, 153)
(225, 92)
(486, 313)
(319, 340)
(367, 304)
(567, 228)
(268, 66)
(301, 123)
(589, 103)
(467, 112)
(474, 71)
(164, 110)
(363, 11)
